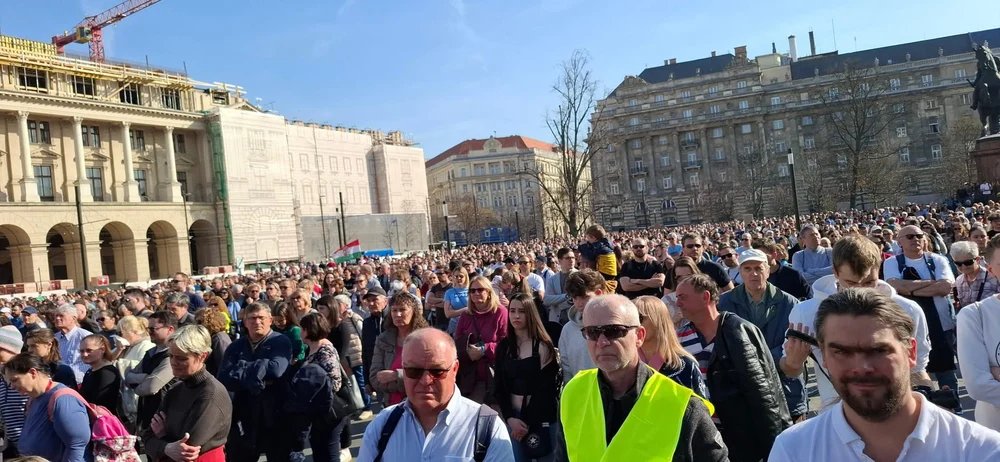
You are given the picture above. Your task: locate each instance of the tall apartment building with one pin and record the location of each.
(680, 127)
(489, 175)
(173, 174)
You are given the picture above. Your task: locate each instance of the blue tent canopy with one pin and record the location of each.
(380, 253)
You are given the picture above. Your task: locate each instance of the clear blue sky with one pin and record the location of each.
(443, 71)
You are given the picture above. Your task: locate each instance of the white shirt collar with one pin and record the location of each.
(848, 436)
(445, 414)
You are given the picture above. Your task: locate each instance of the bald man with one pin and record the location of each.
(671, 422)
(416, 430)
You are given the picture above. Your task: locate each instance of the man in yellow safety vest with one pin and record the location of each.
(624, 410)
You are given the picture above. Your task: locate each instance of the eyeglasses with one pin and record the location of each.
(693, 246)
(152, 329)
(417, 373)
(610, 332)
(914, 236)
(638, 247)
(473, 290)
(728, 255)
(101, 319)
(965, 263)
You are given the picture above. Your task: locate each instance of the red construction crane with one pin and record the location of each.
(89, 30)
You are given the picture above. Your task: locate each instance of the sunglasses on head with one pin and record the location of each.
(965, 263)
(417, 373)
(610, 331)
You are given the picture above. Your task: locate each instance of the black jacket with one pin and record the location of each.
(745, 388)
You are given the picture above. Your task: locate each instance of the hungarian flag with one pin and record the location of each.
(351, 251)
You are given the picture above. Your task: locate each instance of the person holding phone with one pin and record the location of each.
(479, 331)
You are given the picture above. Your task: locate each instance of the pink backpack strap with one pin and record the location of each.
(62, 391)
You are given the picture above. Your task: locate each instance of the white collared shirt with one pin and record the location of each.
(938, 436)
(451, 439)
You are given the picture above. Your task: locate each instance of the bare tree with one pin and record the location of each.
(957, 167)
(568, 185)
(757, 171)
(717, 202)
(471, 217)
(860, 120)
(815, 180)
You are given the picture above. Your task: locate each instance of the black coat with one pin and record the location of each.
(745, 388)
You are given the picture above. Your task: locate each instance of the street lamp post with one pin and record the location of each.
(395, 222)
(322, 221)
(795, 192)
(517, 224)
(447, 230)
(187, 230)
(83, 241)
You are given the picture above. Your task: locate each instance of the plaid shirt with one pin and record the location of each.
(969, 290)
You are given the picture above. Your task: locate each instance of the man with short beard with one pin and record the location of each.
(642, 275)
(869, 349)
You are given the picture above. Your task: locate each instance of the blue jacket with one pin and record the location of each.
(779, 305)
(64, 438)
(252, 377)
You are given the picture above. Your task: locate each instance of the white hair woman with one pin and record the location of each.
(974, 282)
(196, 415)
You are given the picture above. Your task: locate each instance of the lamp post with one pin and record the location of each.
(395, 222)
(517, 224)
(447, 230)
(795, 192)
(322, 221)
(187, 230)
(83, 241)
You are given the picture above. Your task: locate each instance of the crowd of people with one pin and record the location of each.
(683, 343)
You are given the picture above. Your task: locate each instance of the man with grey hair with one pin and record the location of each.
(179, 303)
(663, 409)
(642, 275)
(813, 261)
(70, 335)
(974, 283)
(435, 420)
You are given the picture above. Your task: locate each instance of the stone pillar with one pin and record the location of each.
(208, 180)
(29, 188)
(141, 259)
(130, 186)
(39, 262)
(171, 190)
(81, 164)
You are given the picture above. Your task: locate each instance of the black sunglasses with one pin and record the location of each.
(727, 255)
(416, 373)
(693, 246)
(965, 263)
(610, 331)
(638, 247)
(477, 289)
(914, 236)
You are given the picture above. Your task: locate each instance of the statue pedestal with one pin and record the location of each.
(987, 158)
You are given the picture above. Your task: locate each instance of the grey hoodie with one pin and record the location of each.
(573, 352)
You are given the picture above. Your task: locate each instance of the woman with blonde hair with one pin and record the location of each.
(215, 323)
(479, 331)
(135, 333)
(456, 299)
(662, 350)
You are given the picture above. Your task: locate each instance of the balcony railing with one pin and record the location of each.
(689, 144)
(638, 171)
(692, 164)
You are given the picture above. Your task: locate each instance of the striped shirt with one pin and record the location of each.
(695, 344)
(12, 405)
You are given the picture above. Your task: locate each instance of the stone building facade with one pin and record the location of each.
(680, 129)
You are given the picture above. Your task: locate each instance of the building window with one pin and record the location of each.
(138, 139)
(841, 161)
(935, 127)
(746, 128)
(659, 98)
(465, 188)
(172, 98)
(720, 154)
(635, 143)
(960, 73)
(694, 179)
(927, 80)
(687, 113)
(633, 121)
(780, 147)
(782, 170)
(303, 161)
(462, 171)
(319, 162)
(714, 109)
(82, 85)
(713, 90)
(894, 84)
(613, 187)
(668, 182)
(901, 132)
(717, 132)
(130, 94)
(640, 185)
(182, 178)
(834, 93)
(966, 99)
(775, 101)
(936, 151)
(180, 144)
(898, 108)
(904, 154)
(38, 132)
(512, 201)
(32, 79)
(494, 169)
(744, 105)
(778, 124)
(809, 143)
(662, 140)
(140, 179)
(807, 120)
(741, 84)
(686, 94)
(95, 175)
(930, 104)
(692, 157)
(633, 102)
(91, 136)
(664, 161)
(43, 178)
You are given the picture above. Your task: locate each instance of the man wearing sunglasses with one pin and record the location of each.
(926, 278)
(729, 257)
(740, 373)
(663, 409)
(435, 421)
(642, 275)
(694, 247)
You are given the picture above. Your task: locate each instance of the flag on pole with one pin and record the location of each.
(351, 251)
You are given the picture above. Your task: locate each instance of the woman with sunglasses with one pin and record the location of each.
(386, 377)
(107, 320)
(456, 299)
(528, 381)
(974, 282)
(662, 350)
(479, 330)
(102, 384)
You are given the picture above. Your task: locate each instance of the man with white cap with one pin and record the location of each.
(767, 307)
(12, 402)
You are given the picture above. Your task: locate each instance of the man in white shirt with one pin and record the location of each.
(867, 340)
(535, 282)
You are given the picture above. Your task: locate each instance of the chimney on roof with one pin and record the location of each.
(812, 44)
(673, 61)
(774, 48)
(713, 53)
(792, 52)
(741, 54)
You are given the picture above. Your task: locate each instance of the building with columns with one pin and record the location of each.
(136, 173)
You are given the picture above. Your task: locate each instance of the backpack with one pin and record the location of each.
(109, 440)
(483, 432)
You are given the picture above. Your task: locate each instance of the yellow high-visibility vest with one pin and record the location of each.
(650, 432)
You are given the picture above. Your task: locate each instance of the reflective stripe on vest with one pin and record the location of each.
(653, 424)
